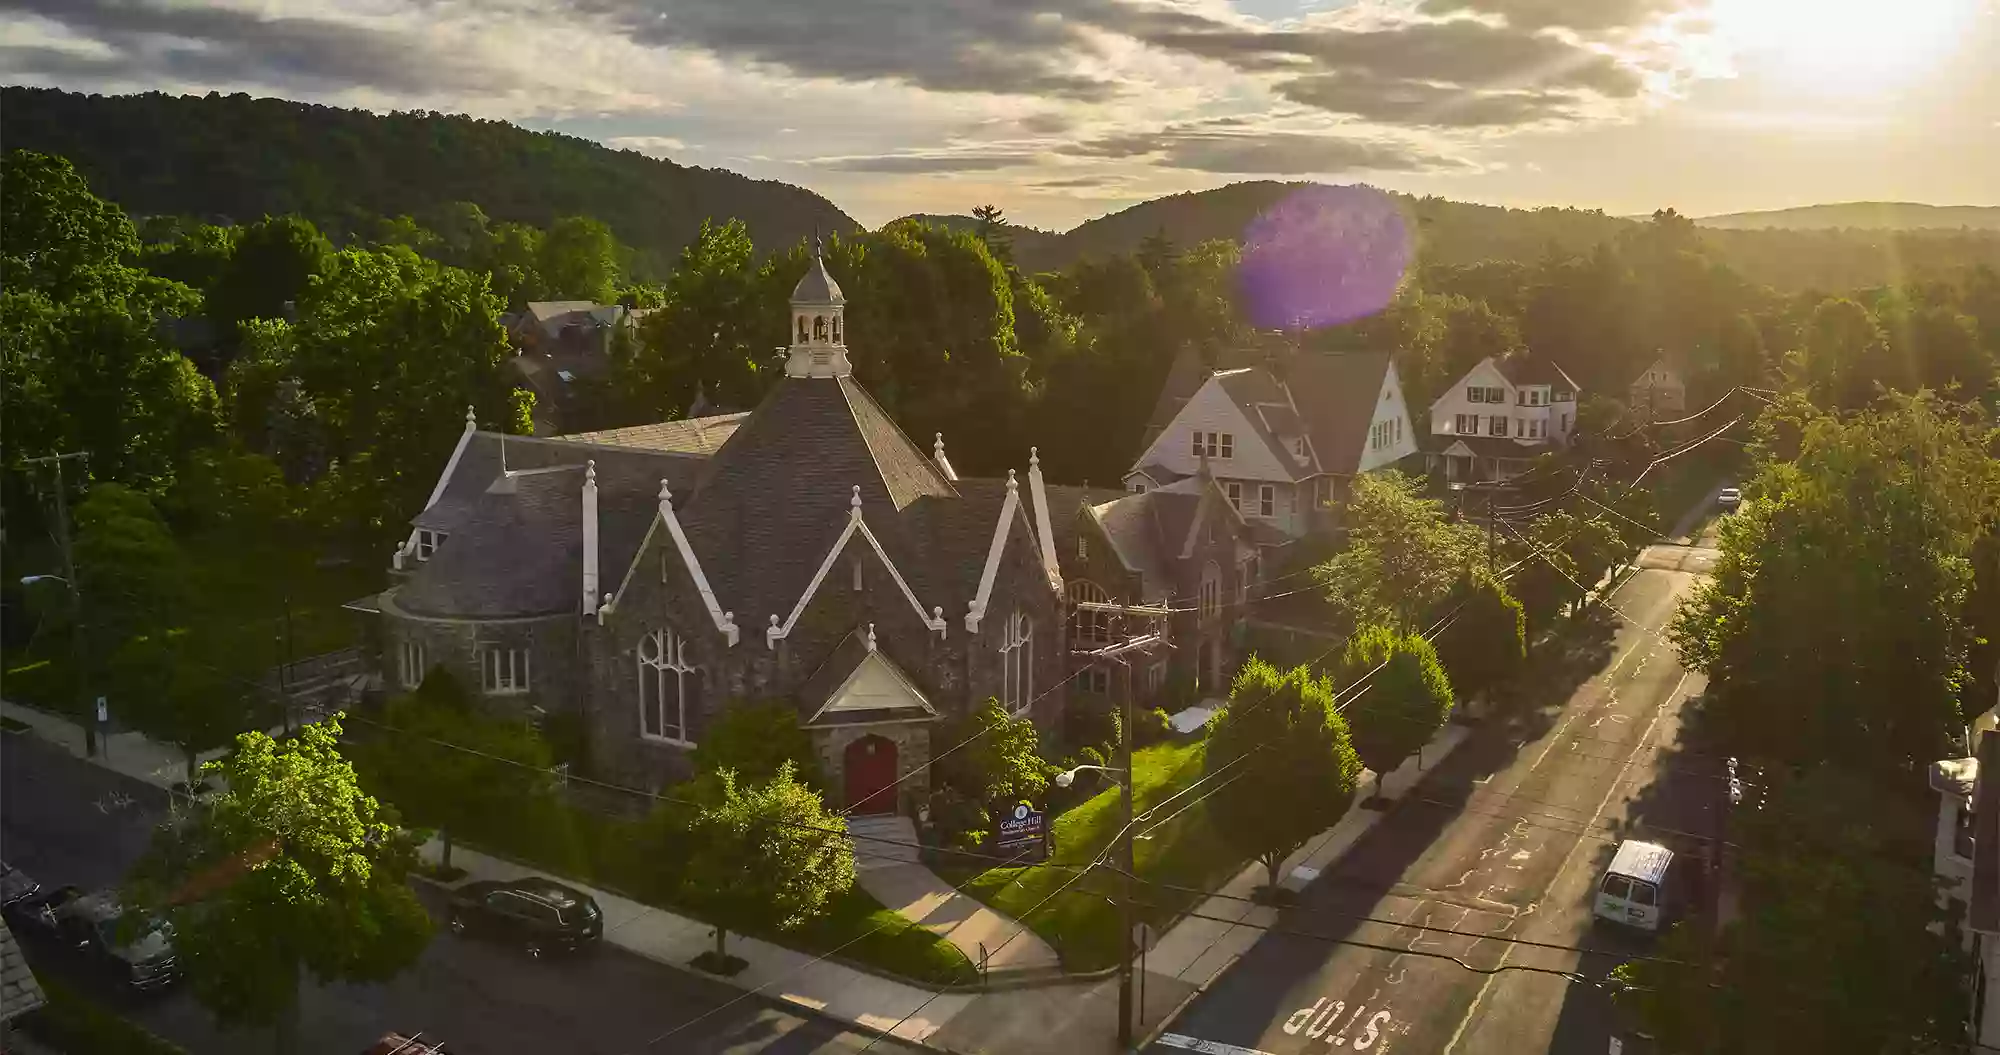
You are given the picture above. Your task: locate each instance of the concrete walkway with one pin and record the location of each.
(891, 874)
(127, 752)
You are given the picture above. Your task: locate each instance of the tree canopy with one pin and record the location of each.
(1279, 740)
(766, 853)
(1405, 699)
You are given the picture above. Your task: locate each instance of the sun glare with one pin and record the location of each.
(1840, 45)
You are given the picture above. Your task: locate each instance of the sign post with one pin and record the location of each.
(1023, 831)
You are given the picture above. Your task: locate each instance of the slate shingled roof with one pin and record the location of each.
(1527, 368)
(687, 436)
(773, 500)
(1336, 397)
(1149, 531)
(20, 993)
(1330, 396)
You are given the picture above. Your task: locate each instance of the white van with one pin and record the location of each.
(1633, 890)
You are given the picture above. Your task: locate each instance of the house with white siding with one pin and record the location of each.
(1280, 438)
(1499, 417)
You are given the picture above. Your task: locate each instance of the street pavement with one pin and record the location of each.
(1505, 840)
(66, 821)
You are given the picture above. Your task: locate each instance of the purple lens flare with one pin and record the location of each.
(1323, 256)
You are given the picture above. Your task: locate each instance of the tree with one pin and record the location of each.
(184, 688)
(58, 234)
(579, 259)
(992, 230)
(711, 335)
(1406, 699)
(131, 572)
(1402, 557)
(270, 267)
(289, 871)
(999, 762)
(493, 781)
(766, 855)
(1846, 355)
(1485, 641)
(1833, 627)
(1280, 741)
(1843, 944)
(754, 741)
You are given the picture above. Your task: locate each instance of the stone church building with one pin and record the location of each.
(645, 578)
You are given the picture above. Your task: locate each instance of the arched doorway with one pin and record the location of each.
(870, 764)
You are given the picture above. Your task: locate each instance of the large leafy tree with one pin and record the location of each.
(764, 855)
(1482, 634)
(443, 764)
(83, 367)
(290, 871)
(712, 335)
(579, 259)
(1403, 555)
(1843, 944)
(270, 266)
(755, 740)
(1278, 741)
(1405, 699)
(1833, 627)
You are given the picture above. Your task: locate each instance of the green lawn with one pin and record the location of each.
(1082, 923)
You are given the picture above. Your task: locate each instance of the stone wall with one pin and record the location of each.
(555, 674)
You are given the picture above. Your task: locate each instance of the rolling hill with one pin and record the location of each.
(1863, 215)
(235, 158)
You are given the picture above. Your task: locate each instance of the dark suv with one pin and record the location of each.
(132, 951)
(541, 915)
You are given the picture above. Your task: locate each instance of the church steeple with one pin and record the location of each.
(819, 345)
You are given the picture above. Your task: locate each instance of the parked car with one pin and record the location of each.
(1729, 499)
(16, 885)
(540, 915)
(132, 951)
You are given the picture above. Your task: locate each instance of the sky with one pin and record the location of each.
(1062, 110)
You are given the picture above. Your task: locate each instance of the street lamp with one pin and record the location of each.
(1068, 776)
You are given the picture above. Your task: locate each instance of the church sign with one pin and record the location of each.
(1022, 829)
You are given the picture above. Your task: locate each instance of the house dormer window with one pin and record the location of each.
(1214, 444)
(428, 542)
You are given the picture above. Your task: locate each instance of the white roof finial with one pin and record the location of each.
(1012, 485)
(471, 419)
(937, 447)
(1034, 458)
(590, 471)
(666, 493)
(871, 637)
(855, 502)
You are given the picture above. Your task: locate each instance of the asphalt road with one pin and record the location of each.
(1505, 840)
(65, 821)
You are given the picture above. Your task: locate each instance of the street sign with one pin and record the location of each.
(103, 711)
(1023, 829)
(1144, 937)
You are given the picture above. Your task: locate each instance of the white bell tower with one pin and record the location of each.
(819, 343)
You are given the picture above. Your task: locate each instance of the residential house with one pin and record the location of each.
(563, 347)
(645, 579)
(1501, 415)
(1280, 437)
(1658, 393)
(1966, 858)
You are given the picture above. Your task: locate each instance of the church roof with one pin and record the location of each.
(777, 495)
(816, 286)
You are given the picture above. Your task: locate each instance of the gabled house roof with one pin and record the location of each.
(702, 436)
(1528, 368)
(1328, 398)
(1151, 532)
(859, 684)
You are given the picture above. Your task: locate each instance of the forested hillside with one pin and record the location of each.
(1866, 215)
(235, 159)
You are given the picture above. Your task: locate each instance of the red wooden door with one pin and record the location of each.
(871, 768)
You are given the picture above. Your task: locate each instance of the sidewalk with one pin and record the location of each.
(886, 865)
(1195, 950)
(127, 752)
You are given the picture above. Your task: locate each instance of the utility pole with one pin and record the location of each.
(78, 653)
(1119, 652)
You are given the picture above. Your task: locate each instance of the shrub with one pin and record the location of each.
(1091, 720)
(1151, 727)
(753, 740)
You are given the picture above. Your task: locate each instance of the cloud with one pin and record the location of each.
(926, 162)
(155, 41)
(1405, 101)
(1585, 16)
(1229, 147)
(656, 146)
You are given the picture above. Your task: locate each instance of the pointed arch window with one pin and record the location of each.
(1017, 663)
(669, 688)
(1089, 628)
